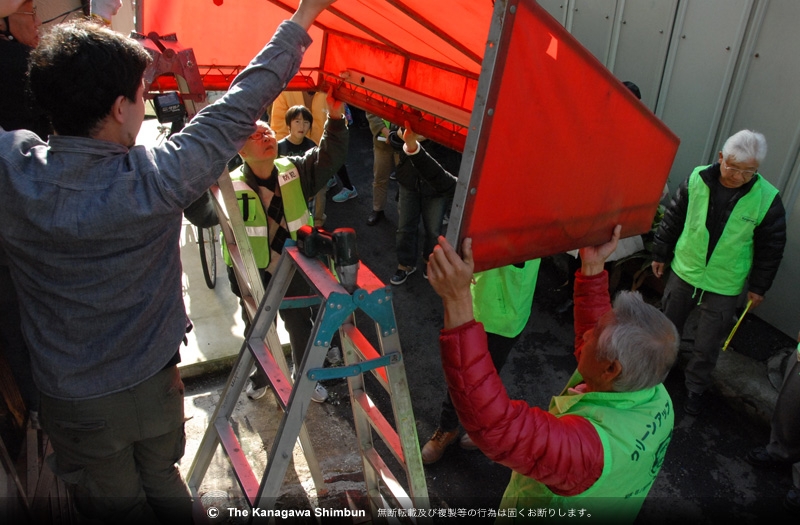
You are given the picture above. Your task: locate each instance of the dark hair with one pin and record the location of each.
(633, 89)
(293, 111)
(78, 71)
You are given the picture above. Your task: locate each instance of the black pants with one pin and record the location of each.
(298, 321)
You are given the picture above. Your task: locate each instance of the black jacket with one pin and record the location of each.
(429, 172)
(769, 237)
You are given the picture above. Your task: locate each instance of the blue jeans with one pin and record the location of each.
(413, 206)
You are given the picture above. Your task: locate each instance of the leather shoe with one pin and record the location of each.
(694, 403)
(375, 217)
(433, 449)
(759, 457)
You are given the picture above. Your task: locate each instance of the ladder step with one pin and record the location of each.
(380, 424)
(280, 384)
(396, 492)
(244, 474)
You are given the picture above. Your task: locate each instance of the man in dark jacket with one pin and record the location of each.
(725, 226)
(424, 174)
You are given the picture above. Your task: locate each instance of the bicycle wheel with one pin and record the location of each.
(206, 241)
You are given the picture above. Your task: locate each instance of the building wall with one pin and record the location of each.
(709, 68)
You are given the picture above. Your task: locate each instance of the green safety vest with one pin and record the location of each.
(295, 208)
(253, 214)
(255, 221)
(502, 297)
(635, 429)
(730, 263)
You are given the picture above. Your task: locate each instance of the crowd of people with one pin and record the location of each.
(93, 308)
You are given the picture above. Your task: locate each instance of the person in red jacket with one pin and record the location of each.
(603, 441)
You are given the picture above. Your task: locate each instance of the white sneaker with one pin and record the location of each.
(320, 394)
(255, 393)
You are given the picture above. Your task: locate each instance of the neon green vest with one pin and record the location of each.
(295, 207)
(635, 429)
(502, 297)
(255, 221)
(730, 263)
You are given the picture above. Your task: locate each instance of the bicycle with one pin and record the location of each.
(206, 241)
(207, 238)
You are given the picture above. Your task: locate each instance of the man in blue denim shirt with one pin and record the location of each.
(91, 226)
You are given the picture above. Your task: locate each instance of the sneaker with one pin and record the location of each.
(694, 403)
(466, 442)
(334, 356)
(33, 418)
(331, 183)
(345, 195)
(320, 394)
(255, 393)
(401, 275)
(434, 449)
(759, 457)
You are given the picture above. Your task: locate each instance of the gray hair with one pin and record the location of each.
(745, 145)
(642, 339)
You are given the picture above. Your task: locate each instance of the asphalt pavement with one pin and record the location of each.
(704, 479)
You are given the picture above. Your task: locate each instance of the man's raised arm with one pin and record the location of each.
(308, 10)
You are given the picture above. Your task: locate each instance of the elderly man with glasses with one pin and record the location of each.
(725, 228)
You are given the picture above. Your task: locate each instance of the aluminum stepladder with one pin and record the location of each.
(262, 347)
(220, 430)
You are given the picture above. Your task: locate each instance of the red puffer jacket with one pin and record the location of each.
(563, 453)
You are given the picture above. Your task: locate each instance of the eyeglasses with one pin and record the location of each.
(746, 174)
(32, 13)
(259, 135)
